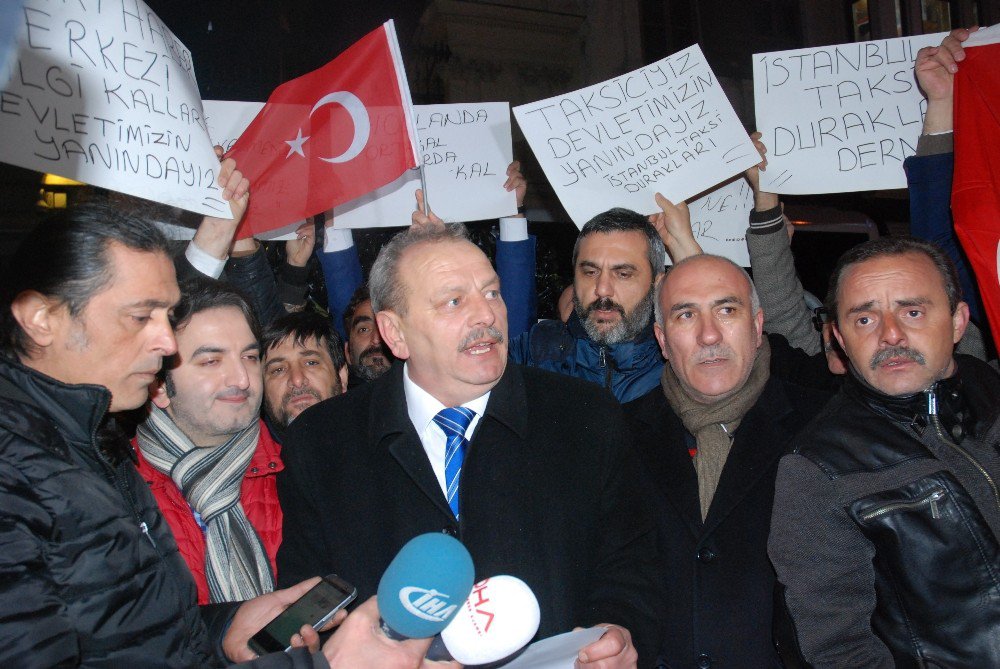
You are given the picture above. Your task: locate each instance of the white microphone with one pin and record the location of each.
(498, 619)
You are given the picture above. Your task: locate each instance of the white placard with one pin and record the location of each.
(465, 149)
(984, 36)
(720, 218)
(839, 118)
(227, 119)
(666, 127)
(104, 93)
(556, 652)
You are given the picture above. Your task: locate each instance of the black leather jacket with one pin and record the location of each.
(89, 574)
(886, 526)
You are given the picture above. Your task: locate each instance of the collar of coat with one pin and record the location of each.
(508, 403)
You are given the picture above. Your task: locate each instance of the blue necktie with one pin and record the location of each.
(454, 421)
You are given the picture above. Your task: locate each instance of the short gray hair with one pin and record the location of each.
(625, 220)
(754, 297)
(384, 285)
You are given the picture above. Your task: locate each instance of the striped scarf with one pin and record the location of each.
(236, 564)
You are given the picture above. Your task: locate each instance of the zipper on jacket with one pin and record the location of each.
(932, 498)
(119, 482)
(603, 364)
(145, 530)
(935, 420)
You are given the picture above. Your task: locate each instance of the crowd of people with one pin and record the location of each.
(688, 459)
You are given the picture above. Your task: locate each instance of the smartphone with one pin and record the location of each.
(314, 608)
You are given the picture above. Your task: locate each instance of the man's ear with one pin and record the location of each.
(347, 350)
(158, 394)
(391, 330)
(39, 316)
(835, 330)
(342, 373)
(959, 321)
(661, 339)
(759, 325)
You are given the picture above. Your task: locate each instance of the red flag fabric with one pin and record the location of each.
(329, 136)
(975, 198)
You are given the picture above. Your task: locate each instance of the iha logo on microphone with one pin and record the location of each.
(426, 604)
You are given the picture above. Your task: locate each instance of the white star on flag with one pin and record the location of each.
(295, 145)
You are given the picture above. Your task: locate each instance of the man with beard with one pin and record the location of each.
(886, 526)
(608, 338)
(367, 355)
(210, 461)
(712, 437)
(303, 364)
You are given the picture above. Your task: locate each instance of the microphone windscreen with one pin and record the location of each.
(499, 618)
(424, 585)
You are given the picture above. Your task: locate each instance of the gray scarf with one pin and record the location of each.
(236, 564)
(714, 425)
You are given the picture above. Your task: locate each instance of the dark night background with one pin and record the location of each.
(524, 50)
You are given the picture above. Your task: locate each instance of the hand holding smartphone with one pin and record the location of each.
(315, 608)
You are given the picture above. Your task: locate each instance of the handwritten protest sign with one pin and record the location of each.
(666, 127)
(839, 118)
(720, 218)
(465, 150)
(104, 93)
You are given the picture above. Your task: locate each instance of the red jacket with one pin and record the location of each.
(259, 496)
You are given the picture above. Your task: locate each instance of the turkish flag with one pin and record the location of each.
(975, 196)
(329, 136)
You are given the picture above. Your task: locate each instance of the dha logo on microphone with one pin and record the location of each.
(426, 604)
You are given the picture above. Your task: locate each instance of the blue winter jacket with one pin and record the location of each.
(629, 369)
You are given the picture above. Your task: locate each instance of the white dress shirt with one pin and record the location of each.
(422, 408)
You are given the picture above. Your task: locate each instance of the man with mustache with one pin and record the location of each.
(711, 436)
(608, 338)
(530, 470)
(303, 364)
(886, 526)
(210, 461)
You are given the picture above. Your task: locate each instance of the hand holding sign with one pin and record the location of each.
(215, 235)
(418, 218)
(673, 222)
(299, 250)
(762, 200)
(516, 183)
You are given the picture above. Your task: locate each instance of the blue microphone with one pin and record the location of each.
(424, 585)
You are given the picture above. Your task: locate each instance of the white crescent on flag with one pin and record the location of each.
(362, 125)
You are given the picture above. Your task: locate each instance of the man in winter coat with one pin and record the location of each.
(89, 571)
(210, 461)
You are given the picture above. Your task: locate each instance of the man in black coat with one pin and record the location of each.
(90, 574)
(711, 437)
(546, 490)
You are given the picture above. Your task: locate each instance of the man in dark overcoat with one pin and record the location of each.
(529, 469)
(711, 437)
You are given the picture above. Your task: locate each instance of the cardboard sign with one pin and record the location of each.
(666, 127)
(465, 149)
(839, 118)
(104, 93)
(720, 218)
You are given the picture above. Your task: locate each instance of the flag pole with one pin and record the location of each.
(404, 92)
(423, 187)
